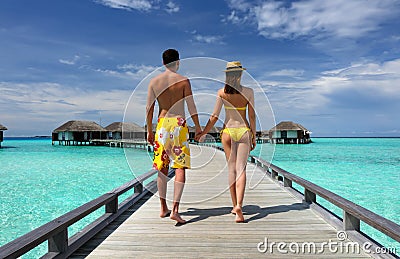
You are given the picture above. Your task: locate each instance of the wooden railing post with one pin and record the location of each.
(274, 174)
(350, 222)
(112, 206)
(138, 188)
(287, 182)
(309, 196)
(59, 242)
(252, 160)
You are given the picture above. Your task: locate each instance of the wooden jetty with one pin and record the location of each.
(280, 222)
(135, 143)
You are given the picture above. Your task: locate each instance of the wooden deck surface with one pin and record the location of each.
(271, 213)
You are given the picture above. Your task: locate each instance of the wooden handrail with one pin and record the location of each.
(353, 212)
(56, 231)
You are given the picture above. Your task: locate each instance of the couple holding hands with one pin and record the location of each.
(171, 147)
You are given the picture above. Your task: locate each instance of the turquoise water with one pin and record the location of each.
(39, 182)
(363, 170)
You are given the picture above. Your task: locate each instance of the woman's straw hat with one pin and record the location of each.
(234, 66)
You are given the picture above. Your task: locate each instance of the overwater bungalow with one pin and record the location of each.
(125, 130)
(288, 132)
(2, 128)
(78, 133)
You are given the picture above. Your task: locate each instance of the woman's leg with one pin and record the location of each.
(243, 149)
(231, 159)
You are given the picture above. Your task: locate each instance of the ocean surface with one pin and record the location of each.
(39, 182)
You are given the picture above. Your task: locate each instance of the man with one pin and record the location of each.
(171, 90)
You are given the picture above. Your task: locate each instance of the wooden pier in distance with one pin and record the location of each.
(134, 143)
(280, 222)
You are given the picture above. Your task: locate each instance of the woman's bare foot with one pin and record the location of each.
(165, 213)
(239, 215)
(177, 218)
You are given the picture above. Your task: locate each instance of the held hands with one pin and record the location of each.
(199, 135)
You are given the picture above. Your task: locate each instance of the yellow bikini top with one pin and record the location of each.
(235, 108)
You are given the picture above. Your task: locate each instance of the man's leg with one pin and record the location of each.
(178, 190)
(162, 180)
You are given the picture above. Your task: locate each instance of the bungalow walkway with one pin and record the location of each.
(271, 214)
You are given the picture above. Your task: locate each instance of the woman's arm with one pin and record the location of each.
(213, 118)
(252, 118)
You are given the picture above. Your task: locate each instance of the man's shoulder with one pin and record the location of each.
(181, 78)
(157, 78)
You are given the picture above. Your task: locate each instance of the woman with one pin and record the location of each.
(237, 137)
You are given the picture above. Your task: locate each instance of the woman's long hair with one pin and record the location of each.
(232, 82)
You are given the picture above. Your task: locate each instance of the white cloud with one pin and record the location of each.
(172, 7)
(287, 72)
(340, 18)
(209, 39)
(72, 61)
(240, 5)
(349, 86)
(128, 71)
(234, 18)
(43, 106)
(140, 5)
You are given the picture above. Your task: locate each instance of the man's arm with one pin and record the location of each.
(192, 106)
(151, 98)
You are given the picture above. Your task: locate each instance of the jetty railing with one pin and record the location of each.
(56, 231)
(352, 212)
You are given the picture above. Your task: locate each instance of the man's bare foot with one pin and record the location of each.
(239, 215)
(177, 218)
(233, 211)
(165, 213)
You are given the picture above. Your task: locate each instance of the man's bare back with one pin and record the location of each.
(170, 89)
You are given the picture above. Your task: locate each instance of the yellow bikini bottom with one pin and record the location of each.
(236, 133)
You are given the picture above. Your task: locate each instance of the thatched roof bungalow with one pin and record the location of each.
(2, 128)
(125, 130)
(78, 132)
(288, 132)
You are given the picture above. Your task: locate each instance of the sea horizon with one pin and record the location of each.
(49, 136)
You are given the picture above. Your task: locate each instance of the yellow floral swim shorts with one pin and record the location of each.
(171, 144)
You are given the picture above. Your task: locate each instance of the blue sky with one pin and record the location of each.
(333, 66)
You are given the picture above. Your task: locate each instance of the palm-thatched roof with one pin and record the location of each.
(79, 126)
(124, 126)
(2, 127)
(288, 125)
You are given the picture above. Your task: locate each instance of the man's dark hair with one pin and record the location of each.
(169, 56)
